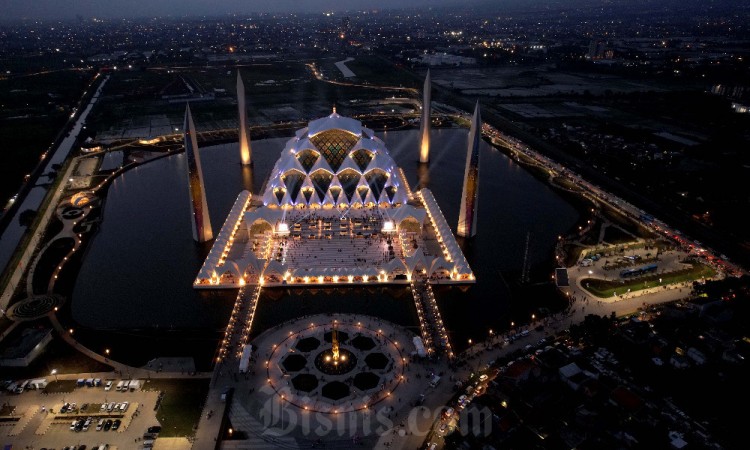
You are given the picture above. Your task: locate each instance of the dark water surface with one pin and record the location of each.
(139, 268)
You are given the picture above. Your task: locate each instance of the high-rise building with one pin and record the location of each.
(467, 219)
(201, 222)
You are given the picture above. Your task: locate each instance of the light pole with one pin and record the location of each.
(54, 373)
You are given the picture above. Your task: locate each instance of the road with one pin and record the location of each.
(14, 231)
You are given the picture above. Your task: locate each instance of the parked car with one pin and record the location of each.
(108, 385)
(107, 424)
(116, 424)
(100, 425)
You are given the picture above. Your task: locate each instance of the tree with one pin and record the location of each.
(26, 218)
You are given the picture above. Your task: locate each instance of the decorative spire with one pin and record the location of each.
(201, 222)
(246, 150)
(424, 149)
(334, 108)
(467, 219)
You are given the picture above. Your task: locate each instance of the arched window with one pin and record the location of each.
(362, 157)
(307, 158)
(293, 181)
(321, 179)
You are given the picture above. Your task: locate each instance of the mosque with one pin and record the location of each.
(335, 210)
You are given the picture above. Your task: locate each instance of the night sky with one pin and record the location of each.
(49, 9)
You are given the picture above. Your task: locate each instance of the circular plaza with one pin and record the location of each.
(336, 363)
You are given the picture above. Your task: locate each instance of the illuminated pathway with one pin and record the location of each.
(433, 330)
(240, 323)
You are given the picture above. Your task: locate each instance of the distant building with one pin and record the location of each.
(696, 355)
(440, 59)
(520, 371)
(598, 50)
(626, 399)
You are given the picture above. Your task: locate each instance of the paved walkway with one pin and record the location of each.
(119, 368)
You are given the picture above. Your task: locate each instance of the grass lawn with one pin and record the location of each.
(604, 288)
(614, 235)
(376, 70)
(60, 356)
(181, 405)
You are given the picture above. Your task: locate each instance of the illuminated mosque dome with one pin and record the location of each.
(336, 210)
(334, 162)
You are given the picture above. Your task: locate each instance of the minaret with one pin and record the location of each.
(246, 151)
(467, 219)
(201, 222)
(424, 150)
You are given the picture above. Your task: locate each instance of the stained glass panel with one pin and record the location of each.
(334, 145)
(362, 158)
(307, 158)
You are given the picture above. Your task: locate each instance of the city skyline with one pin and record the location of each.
(51, 9)
(113, 9)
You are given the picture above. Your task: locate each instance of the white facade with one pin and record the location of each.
(334, 162)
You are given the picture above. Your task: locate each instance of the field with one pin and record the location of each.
(605, 289)
(375, 70)
(181, 406)
(133, 106)
(33, 110)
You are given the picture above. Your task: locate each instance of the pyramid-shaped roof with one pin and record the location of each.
(335, 138)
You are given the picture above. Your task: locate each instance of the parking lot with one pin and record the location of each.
(89, 416)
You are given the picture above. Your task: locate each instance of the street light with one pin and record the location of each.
(54, 373)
